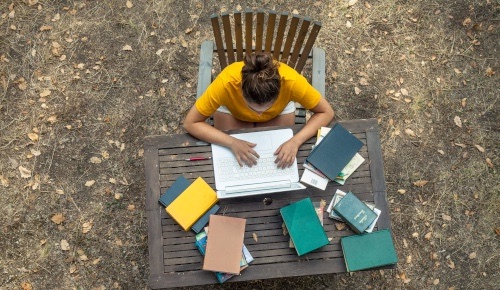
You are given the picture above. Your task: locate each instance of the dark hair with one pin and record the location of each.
(261, 80)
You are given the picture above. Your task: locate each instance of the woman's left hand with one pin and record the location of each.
(285, 154)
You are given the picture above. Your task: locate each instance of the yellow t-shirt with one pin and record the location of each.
(226, 90)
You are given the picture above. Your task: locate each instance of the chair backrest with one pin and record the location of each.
(290, 40)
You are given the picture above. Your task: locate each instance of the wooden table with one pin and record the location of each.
(175, 261)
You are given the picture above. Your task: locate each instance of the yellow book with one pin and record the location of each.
(192, 203)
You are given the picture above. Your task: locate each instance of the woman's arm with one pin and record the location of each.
(195, 124)
(323, 115)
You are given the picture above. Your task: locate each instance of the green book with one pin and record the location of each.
(304, 227)
(368, 250)
(355, 213)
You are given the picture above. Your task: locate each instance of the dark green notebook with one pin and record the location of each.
(355, 212)
(304, 226)
(368, 250)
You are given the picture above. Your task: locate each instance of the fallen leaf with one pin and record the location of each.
(89, 183)
(339, 226)
(118, 196)
(96, 261)
(254, 235)
(410, 132)
(367, 5)
(441, 152)
(357, 90)
(401, 191)
(472, 255)
(466, 21)
(497, 231)
(446, 217)
(352, 3)
(458, 121)
(127, 48)
(26, 286)
(45, 28)
(420, 183)
(436, 281)
(58, 218)
(60, 191)
(72, 268)
(25, 172)
(457, 71)
(33, 137)
(131, 207)
(95, 160)
(64, 245)
(348, 24)
(129, 4)
(450, 264)
(404, 92)
(488, 161)
(363, 82)
(428, 236)
(32, 2)
(159, 52)
(188, 30)
(463, 102)
(481, 149)
(460, 145)
(86, 227)
(490, 72)
(295, 11)
(408, 259)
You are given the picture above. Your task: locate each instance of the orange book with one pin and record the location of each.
(192, 203)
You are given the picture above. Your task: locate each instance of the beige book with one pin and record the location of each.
(224, 244)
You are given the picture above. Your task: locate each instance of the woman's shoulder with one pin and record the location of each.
(287, 72)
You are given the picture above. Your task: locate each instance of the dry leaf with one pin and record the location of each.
(129, 4)
(188, 30)
(420, 183)
(401, 191)
(435, 282)
(464, 102)
(131, 207)
(472, 255)
(339, 226)
(352, 3)
(497, 231)
(363, 82)
(96, 261)
(404, 92)
(72, 268)
(348, 24)
(458, 121)
(466, 21)
(89, 183)
(60, 191)
(481, 149)
(64, 245)
(367, 5)
(254, 235)
(408, 259)
(86, 227)
(118, 196)
(58, 218)
(441, 152)
(410, 132)
(460, 145)
(127, 48)
(45, 27)
(357, 90)
(428, 236)
(32, 2)
(25, 172)
(457, 71)
(95, 160)
(450, 264)
(33, 137)
(488, 161)
(26, 286)
(446, 217)
(490, 72)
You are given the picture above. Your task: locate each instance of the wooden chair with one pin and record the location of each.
(289, 39)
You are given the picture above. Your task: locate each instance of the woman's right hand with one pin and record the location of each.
(243, 152)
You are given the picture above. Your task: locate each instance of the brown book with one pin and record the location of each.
(224, 244)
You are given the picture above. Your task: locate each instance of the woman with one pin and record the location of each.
(257, 92)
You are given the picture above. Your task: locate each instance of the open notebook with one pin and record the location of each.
(231, 180)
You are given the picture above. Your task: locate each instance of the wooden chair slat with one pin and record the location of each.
(259, 31)
(238, 31)
(292, 30)
(218, 41)
(228, 37)
(299, 40)
(308, 46)
(271, 23)
(248, 32)
(279, 35)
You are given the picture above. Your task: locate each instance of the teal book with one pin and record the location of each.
(355, 213)
(369, 250)
(334, 152)
(304, 227)
(200, 224)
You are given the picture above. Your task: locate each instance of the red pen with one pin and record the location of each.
(198, 158)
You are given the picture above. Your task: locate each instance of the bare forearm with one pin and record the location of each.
(310, 129)
(207, 133)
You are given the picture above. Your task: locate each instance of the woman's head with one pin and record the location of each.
(261, 80)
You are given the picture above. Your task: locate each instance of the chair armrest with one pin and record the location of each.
(205, 67)
(318, 70)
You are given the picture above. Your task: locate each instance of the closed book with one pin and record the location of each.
(369, 250)
(334, 151)
(192, 203)
(179, 185)
(355, 213)
(304, 227)
(224, 244)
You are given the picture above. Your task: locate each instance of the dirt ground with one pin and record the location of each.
(82, 83)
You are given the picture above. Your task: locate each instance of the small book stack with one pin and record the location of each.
(334, 157)
(305, 228)
(222, 246)
(190, 204)
(366, 249)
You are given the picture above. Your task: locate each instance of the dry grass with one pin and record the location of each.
(420, 59)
